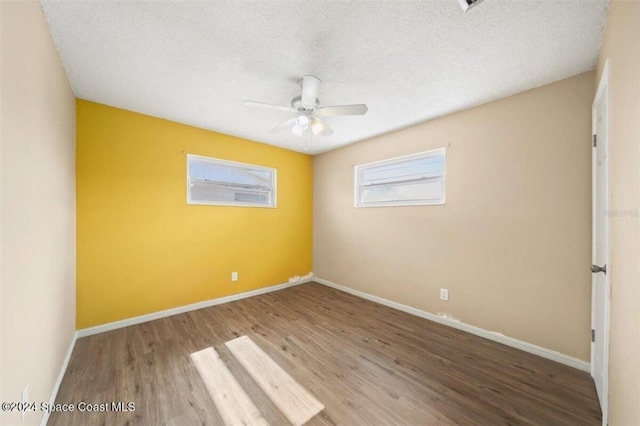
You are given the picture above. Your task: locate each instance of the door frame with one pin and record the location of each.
(602, 94)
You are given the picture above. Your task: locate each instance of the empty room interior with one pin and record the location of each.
(322, 213)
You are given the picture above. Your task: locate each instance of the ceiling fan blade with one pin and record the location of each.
(319, 127)
(310, 86)
(269, 106)
(287, 124)
(359, 109)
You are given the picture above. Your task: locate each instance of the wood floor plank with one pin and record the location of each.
(293, 400)
(230, 399)
(368, 364)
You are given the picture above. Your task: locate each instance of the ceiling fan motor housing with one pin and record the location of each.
(296, 103)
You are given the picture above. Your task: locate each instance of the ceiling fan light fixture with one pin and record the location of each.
(308, 113)
(317, 127)
(302, 121)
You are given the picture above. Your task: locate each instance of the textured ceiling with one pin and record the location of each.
(195, 61)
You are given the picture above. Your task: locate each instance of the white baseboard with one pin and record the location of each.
(186, 308)
(63, 370)
(496, 337)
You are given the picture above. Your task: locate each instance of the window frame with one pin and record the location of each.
(274, 183)
(360, 168)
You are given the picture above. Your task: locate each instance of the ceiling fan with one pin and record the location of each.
(308, 112)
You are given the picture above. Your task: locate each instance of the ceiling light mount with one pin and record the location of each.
(468, 4)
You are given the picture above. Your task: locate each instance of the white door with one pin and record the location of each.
(600, 251)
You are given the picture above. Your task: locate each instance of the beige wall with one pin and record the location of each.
(38, 209)
(621, 46)
(513, 242)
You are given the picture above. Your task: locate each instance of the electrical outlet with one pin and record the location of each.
(444, 294)
(25, 400)
(234, 276)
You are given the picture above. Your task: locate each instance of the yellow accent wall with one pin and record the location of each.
(142, 249)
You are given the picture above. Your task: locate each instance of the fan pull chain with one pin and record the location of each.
(308, 140)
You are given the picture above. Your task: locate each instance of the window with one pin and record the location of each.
(416, 179)
(217, 182)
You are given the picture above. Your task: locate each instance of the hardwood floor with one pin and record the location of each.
(368, 364)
